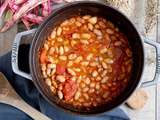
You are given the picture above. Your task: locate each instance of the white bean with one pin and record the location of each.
(98, 78)
(75, 36)
(100, 58)
(66, 48)
(117, 43)
(109, 69)
(53, 34)
(109, 31)
(60, 94)
(51, 66)
(89, 57)
(51, 50)
(90, 26)
(104, 79)
(94, 73)
(80, 20)
(44, 74)
(79, 79)
(56, 50)
(53, 71)
(78, 24)
(105, 95)
(53, 89)
(70, 71)
(59, 39)
(60, 78)
(48, 82)
(83, 41)
(64, 23)
(98, 99)
(72, 56)
(63, 57)
(97, 86)
(48, 71)
(46, 47)
(104, 73)
(104, 65)
(43, 66)
(85, 89)
(91, 90)
(108, 60)
(77, 69)
(77, 95)
(50, 59)
(78, 59)
(73, 78)
(87, 81)
(59, 31)
(86, 104)
(93, 20)
(54, 83)
(86, 17)
(92, 85)
(82, 84)
(84, 63)
(72, 20)
(86, 96)
(128, 52)
(61, 50)
(103, 50)
(70, 63)
(93, 64)
(85, 36)
(97, 32)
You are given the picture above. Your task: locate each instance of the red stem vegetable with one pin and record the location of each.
(28, 11)
(19, 1)
(26, 7)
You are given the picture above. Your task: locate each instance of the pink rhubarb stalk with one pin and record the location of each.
(27, 6)
(14, 7)
(33, 18)
(19, 1)
(46, 8)
(26, 23)
(57, 1)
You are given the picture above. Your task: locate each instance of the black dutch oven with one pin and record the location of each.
(83, 8)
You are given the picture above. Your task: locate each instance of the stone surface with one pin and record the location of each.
(149, 111)
(6, 40)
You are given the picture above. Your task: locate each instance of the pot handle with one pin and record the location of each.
(14, 55)
(157, 73)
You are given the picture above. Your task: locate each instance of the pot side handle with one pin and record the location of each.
(157, 72)
(15, 51)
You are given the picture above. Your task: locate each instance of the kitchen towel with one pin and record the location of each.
(26, 89)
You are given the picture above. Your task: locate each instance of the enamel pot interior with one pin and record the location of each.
(95, 9)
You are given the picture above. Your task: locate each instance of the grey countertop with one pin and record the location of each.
(137, 17)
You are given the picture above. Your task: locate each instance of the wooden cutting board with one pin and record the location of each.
(10, 97)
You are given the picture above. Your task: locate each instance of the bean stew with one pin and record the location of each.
(86, 61)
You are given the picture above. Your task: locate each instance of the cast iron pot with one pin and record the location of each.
(83, 8)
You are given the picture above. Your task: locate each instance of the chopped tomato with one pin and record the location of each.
(117, 64)
(60, 69)
(69, 90)
(43, 56)
(107, 40)
(79, 47)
